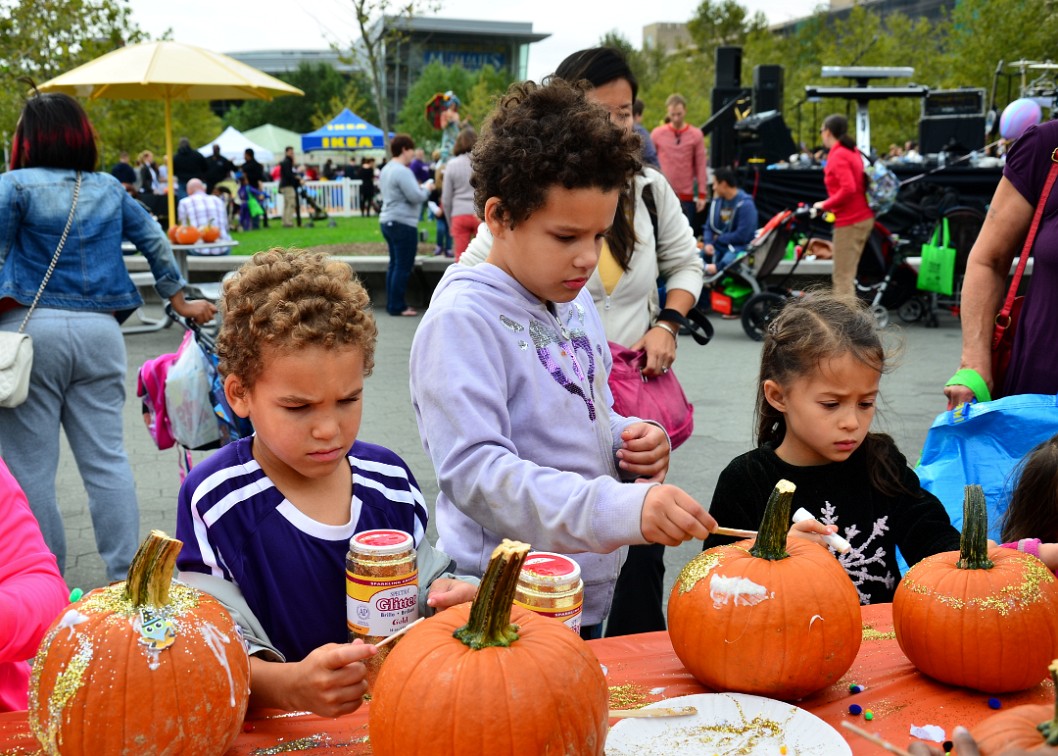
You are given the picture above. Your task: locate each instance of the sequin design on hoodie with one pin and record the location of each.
(558, 353)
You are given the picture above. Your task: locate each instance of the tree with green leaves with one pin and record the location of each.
(381, 28)
(326, 92)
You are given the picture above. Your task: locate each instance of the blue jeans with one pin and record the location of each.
(403, 242)
(444, 237)
(78, 382)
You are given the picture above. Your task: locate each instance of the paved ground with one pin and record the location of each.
(719, 380)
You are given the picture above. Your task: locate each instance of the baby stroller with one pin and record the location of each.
(318, 213)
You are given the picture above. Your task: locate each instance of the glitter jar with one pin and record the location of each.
(381, 588)
(550, 585)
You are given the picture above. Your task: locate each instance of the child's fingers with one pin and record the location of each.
(339, 655)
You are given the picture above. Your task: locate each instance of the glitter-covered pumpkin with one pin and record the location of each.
(982, 618)
(1032, 727)
(778, 618)
(147, 667)
(467, 681)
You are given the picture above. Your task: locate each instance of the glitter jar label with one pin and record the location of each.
(550, 586)
(381, 584)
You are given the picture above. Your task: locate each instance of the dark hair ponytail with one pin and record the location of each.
(838, 126)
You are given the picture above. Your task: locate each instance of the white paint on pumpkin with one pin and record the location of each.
(71, 620)
(738, 591)
(215, 639)
(813, 620)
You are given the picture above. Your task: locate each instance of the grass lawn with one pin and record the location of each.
(345, 232)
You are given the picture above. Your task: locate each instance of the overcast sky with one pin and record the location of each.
(241, 25)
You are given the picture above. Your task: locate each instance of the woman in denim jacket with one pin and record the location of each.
(79, 364)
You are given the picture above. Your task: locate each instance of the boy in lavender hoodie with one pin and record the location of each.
(509, 367)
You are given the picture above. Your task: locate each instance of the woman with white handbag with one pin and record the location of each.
(63, 282)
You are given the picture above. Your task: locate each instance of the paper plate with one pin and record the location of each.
(727, 724)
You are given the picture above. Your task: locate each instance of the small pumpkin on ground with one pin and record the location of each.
(1032, 727)
(469, 681)
(981, 618)
(777, 618)
(148, 666)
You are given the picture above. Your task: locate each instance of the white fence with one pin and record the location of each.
(340, 197)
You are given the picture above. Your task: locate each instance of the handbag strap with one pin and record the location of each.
(694, 321)
(1003, 316)
(55, 257)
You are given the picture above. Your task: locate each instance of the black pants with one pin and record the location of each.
(637, 597)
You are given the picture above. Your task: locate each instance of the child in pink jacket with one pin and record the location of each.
(32, 592)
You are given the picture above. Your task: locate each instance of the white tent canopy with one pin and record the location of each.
(233, 145)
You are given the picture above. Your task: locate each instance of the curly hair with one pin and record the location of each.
(544, 135)
(287, 299)
(804, 334)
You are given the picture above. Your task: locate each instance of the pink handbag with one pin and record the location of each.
(659, 398)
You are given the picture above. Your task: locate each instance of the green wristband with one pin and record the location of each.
(972, 380)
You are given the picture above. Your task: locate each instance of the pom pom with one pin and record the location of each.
(855, 709)
(856, 688)
(868, 715)
(995, 703)
(75, 595)
(947, 745)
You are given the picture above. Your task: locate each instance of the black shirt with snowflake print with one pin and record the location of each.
(840, 493)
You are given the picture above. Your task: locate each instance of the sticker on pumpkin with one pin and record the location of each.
(736, 591)
(157, 632)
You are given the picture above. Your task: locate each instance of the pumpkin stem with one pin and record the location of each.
(774, 527)
(1049, 730)
(490, 614)
(973, 546)
(151, 571)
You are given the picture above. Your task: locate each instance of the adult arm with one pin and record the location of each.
(410, 187)
(143, 231)
(678, 264)
(32, 591)
(701, 171)
(844, 172)
(985, 284)
(467, 431)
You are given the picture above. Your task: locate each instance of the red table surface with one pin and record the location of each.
(894, 691)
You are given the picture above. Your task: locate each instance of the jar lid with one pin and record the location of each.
(548, 567)
(381, 542)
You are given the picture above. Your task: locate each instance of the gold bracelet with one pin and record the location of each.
(672, 331)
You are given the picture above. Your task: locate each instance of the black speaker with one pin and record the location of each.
(767, 88)
(764, 137)
(956, 136)
(728, 67)
(723, 145)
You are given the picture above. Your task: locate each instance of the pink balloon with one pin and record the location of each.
(1019, 116)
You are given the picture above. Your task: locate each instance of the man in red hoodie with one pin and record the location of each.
(681, 152)
(847, 198)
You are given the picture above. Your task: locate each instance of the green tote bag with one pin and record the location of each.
(937, 270)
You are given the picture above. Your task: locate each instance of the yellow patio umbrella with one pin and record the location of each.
(168, 71)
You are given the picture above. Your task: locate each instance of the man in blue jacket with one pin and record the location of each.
(731, 223)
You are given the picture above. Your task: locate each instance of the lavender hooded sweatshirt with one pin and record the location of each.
(513, 407)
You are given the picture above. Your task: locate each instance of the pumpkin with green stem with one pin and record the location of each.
(147, 667)
(1030, 727)
(489, 678)
(777, 618)
(981, 618)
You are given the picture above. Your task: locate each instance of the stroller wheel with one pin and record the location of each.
(881, 315)
(757, 312)
(912, 310)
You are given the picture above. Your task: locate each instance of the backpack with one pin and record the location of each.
(882, 186)
(150, 388)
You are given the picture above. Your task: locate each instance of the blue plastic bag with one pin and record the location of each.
(982, 443)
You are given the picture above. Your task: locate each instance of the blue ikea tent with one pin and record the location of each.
(346, 131)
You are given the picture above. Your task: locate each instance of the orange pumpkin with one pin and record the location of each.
(981, 618)
(468, 681)
(209, 232)
(186, 235)
(148, 666)
(778, 618)
(1032, 728)
(172, 233)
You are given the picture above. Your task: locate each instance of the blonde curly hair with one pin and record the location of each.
(287, 299)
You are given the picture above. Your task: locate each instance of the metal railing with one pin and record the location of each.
(340, 197)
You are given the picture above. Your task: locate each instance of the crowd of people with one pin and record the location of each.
(576, 232)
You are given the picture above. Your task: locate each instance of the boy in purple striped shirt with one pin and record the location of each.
(266, 521)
